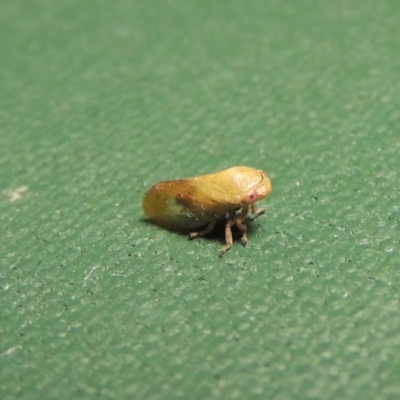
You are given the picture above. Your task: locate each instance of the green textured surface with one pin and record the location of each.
(99, 100)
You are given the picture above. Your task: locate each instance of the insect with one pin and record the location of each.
(196, 204)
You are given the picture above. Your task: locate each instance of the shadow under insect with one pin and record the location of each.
(217, 233)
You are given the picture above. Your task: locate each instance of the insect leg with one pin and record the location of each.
(205, 231)
(256, 213)
(228, 233)
(241, 226)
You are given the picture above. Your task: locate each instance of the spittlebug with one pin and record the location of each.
(199, 202)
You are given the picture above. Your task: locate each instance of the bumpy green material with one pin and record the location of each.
(99, 100)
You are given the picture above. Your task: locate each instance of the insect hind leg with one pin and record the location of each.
(206, 231)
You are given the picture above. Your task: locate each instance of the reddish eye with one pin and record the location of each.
(251, 197)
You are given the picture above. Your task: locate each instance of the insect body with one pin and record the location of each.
(199, 202)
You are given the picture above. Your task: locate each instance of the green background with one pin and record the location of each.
(100, 99)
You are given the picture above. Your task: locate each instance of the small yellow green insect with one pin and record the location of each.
(196, 204)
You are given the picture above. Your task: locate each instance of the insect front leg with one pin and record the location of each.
(256, 213)
(241, 226)
(205, 231)
(228, 233)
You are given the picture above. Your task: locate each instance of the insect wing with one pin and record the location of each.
(173, 204)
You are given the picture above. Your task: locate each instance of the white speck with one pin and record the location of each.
(17, 194)
(10, 350)
(90, 272)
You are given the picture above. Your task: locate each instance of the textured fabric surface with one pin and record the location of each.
(99, 100)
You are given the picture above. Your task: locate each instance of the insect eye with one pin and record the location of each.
(251, 197)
